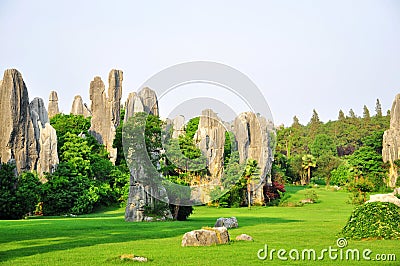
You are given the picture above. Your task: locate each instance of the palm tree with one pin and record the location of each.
(250, 171)
(308, 162)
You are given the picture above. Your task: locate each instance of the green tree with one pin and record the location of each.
(322, 144)
(341, 116)
(366, 114)
(251, 170)
(309, 162)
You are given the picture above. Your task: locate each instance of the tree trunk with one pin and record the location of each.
(248, 195)
(309, 175)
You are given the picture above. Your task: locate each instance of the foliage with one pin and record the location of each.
(341, 175)
(311, 194)
(18, 194)
(374, 220)
(359, 187)
(73, 124)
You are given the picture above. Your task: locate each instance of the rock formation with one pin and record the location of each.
(210, 138)
(17, 140)
(45, 136)
(391, 142)
(106, 110)
(252, 139)
(149, 100)
(53, 104)
(227, 222)
(178, 126)
(48, 157)
(133, 105)
(80, 108)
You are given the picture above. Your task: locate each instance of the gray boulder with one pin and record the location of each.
(227, 222)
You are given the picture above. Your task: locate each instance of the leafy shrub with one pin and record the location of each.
(374, 220)
(273, 193)
(18, 194)
(311, 194)
(359, 189)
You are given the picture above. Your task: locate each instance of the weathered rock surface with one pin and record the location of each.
(178, 126)
(206, 237)
(53, 104)
(385, 198)
(48, 157)
(17, 139)
(227, 222)
(210, 138)
(133, 105)
(80, 108)
(391, 142)
(244, 237)
(37, 105)
(149, 100)
(106, 110)
(251, 134)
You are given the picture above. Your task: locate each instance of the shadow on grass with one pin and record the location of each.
(26, 238)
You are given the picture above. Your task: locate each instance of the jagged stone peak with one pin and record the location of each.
(80, 108)
(149, 100)
(53, 104)
(37, 105)
(395, 113)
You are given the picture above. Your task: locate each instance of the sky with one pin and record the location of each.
(302, 55)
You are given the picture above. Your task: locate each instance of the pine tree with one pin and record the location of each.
(378, 108)
(352, 114)
(341, 116)
(366, 114)
(314, 124)
(296, 122)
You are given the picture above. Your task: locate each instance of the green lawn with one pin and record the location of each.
(99, 239)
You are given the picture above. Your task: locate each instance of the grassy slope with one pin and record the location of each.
(100, 238)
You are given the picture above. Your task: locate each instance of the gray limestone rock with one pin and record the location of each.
(48, 157)
(391, 142)
(178, 126)
(37, 105)
(80, 108)
(210, 138)
(227, 222)
(133, 105)
(53, 104)
(252, 137)
(149, 100)
(106, 110)
(17, 140)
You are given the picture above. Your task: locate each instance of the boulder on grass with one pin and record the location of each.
(227, 222)
(385, 198)
(206, 237)
(244, 237)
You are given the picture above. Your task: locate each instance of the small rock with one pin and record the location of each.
(227, 222)
(306, 201)
(244, 237)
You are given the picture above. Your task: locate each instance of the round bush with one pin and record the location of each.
(374, 220)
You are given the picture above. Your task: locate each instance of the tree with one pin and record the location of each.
(341, 116)
(352, 114)
(378, 108)
(366, 114)
(250, 171)
(314, 124)
(309, 162)
(322, 144)
(18, 194)
(296, 122)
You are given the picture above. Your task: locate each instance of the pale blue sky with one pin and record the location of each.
(327, 55)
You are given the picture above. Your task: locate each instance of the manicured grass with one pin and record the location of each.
(100, 238)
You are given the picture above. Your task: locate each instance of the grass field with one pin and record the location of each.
(100, 238)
